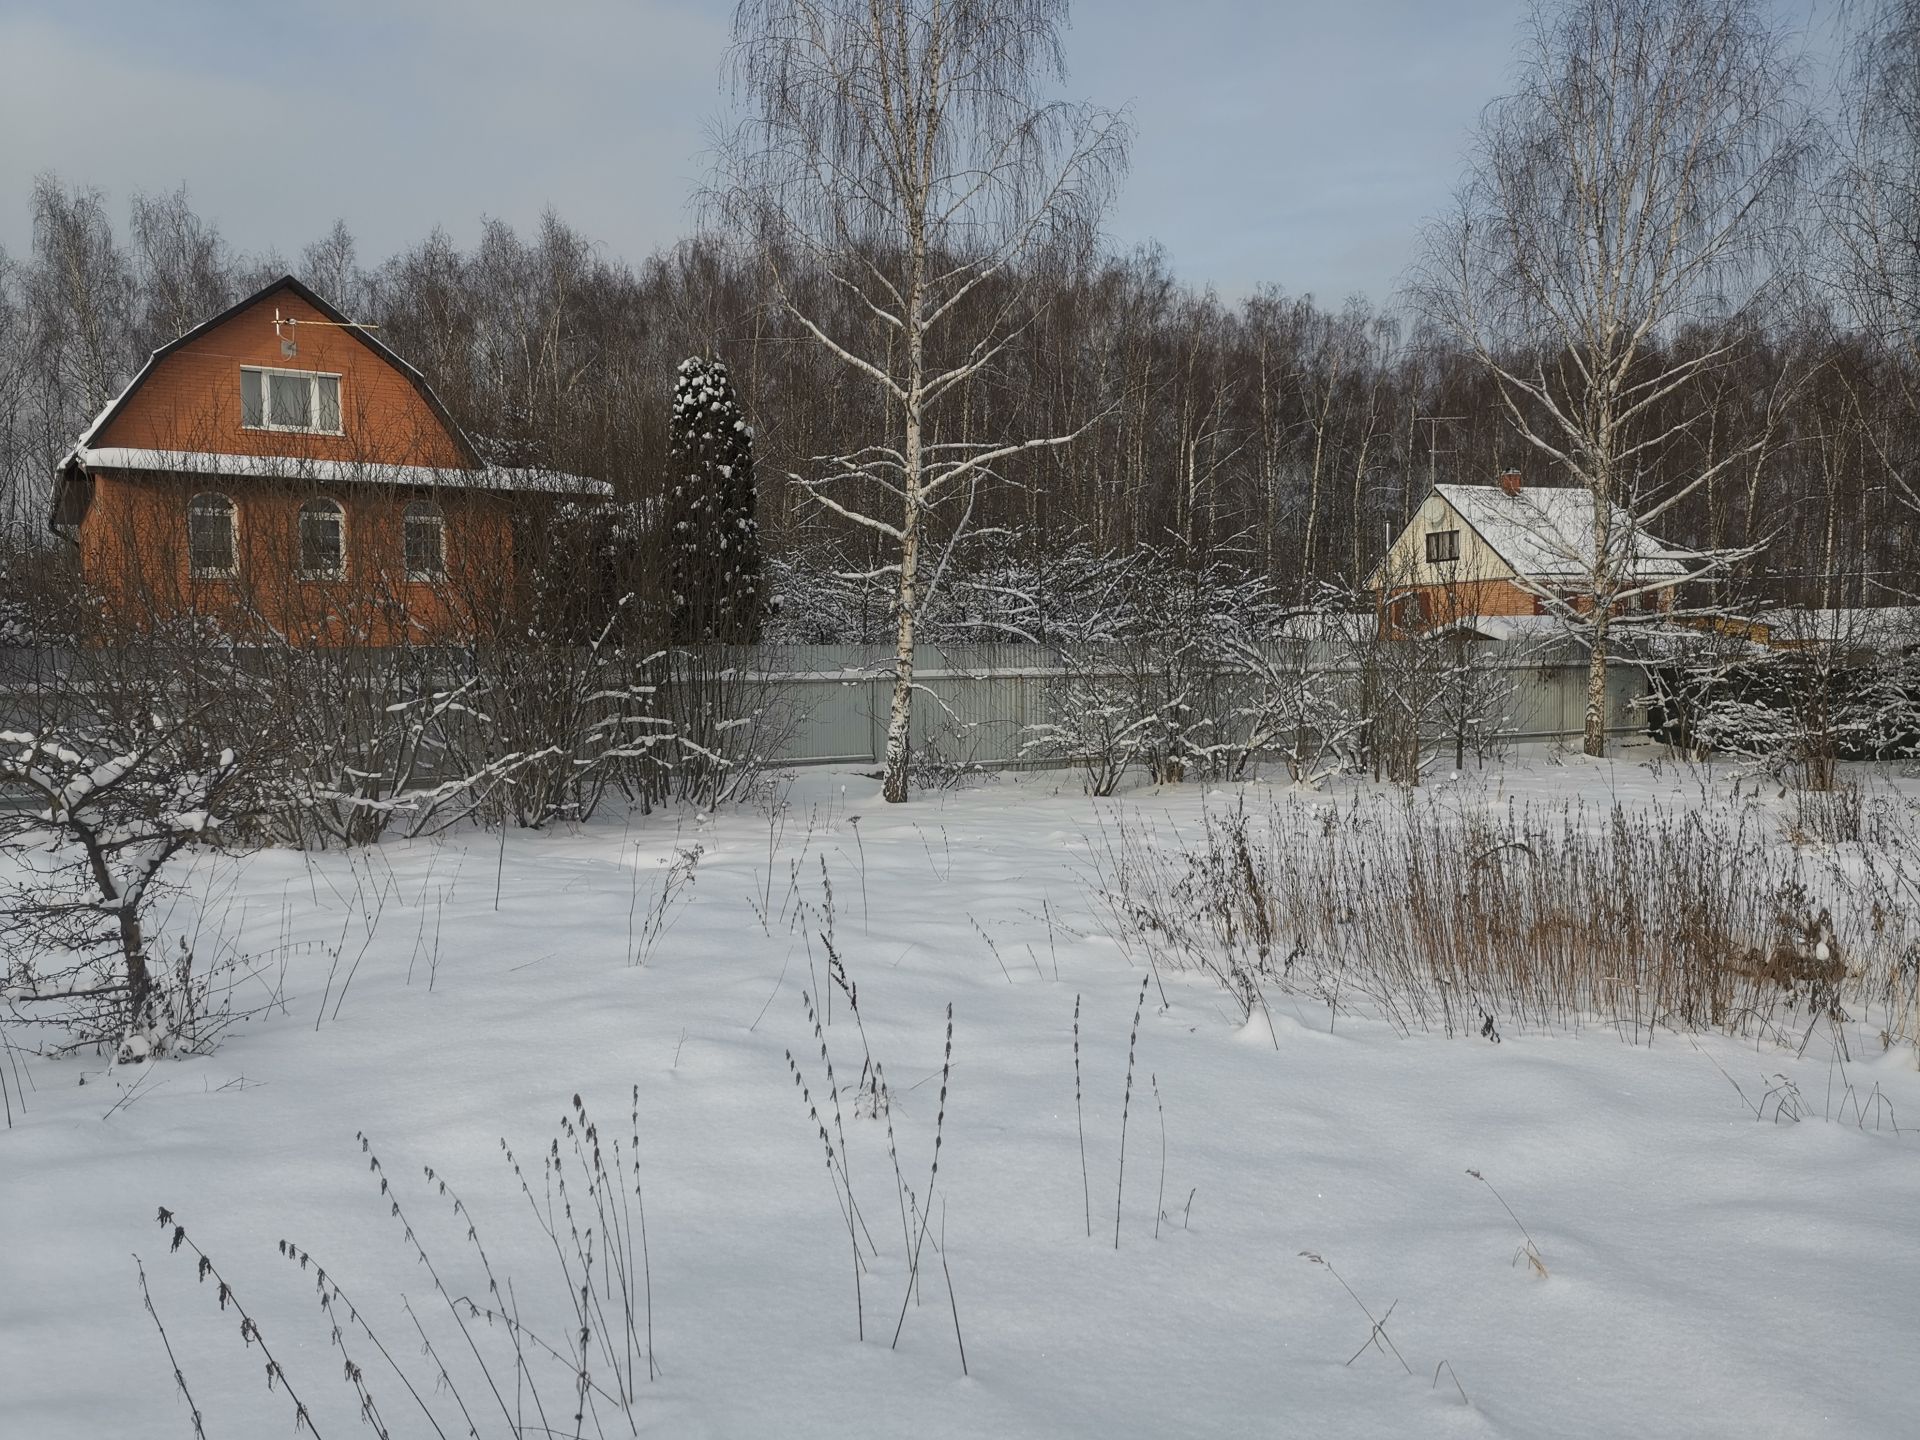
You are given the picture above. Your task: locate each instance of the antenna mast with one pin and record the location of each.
(284, 325)
(1433, 424)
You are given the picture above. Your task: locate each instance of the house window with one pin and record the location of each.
(1442, 545)
(323, 536)
(289, 400)
(210, 537)
(426, 541)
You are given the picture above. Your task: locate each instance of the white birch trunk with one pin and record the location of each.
(1604, 586)
(900, 713)
(1596, 725)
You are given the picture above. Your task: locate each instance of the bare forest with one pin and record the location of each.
(1284, 435)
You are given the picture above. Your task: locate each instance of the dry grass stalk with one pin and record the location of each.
(1126, 1106)
(1527, 1247)
(1546, 917)
(1080, 1122)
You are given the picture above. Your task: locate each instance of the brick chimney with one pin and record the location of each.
(1511, 481)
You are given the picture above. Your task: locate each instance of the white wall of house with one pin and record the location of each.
(1406, 562)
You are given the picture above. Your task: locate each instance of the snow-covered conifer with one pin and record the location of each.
(715, 540)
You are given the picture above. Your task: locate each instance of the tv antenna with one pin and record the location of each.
(285, 325)
(1433, 424)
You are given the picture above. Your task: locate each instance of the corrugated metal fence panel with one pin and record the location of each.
(976, 701)
(825, 719)
(829, 703)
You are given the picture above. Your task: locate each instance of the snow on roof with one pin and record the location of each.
(1861, 624)
(93, 425)
(1504, 628)
(1327, 626)
(351, 472)
(1548, 533)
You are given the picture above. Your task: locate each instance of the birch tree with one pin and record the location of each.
(1873, 212)
(1627, 189)
(911, 152)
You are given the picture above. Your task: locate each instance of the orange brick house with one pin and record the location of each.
(280, 470)
(1476, 555)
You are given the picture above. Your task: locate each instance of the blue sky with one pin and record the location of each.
(1296, 143)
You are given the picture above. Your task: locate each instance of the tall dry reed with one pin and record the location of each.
(1441, 916)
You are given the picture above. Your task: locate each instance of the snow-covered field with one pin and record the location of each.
(1707, 1273)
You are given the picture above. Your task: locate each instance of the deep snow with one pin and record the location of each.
(1708, 1274)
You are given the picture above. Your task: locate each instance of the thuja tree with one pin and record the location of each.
(715, 540)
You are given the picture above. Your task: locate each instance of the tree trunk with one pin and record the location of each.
(133, 940)
(1596, 726)
(139, 979)
(900, 714)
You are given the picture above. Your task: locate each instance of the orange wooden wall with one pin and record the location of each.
(133, 554)
(1420, 607)
(133, 540)
(192, 399)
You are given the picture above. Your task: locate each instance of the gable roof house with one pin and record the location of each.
(1480, 559)
(280, 470)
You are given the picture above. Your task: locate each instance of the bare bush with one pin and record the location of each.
(1188, 673)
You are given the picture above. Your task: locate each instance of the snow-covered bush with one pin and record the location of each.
(1396, 689)
(1295, 697)
(1130, 702)
(1797, 711)
(1191, 673)
(819, 596)
(105, 809)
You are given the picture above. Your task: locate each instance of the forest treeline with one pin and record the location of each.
(1274, 432)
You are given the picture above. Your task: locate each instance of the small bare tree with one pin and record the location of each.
(906, 149)
(1622, 192)
(110, 802)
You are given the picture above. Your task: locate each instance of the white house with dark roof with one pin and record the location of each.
(1498, 552)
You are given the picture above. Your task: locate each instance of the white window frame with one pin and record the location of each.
(313, 379)
(233, 538)
(338, 572)
(439, 519)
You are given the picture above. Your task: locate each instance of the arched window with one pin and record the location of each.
(323, 540)
(211, 552)
(426, 541)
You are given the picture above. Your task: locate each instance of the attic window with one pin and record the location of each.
(289, 400)
(1442, 545)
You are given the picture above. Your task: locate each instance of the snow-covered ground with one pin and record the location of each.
(1707, 1273)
